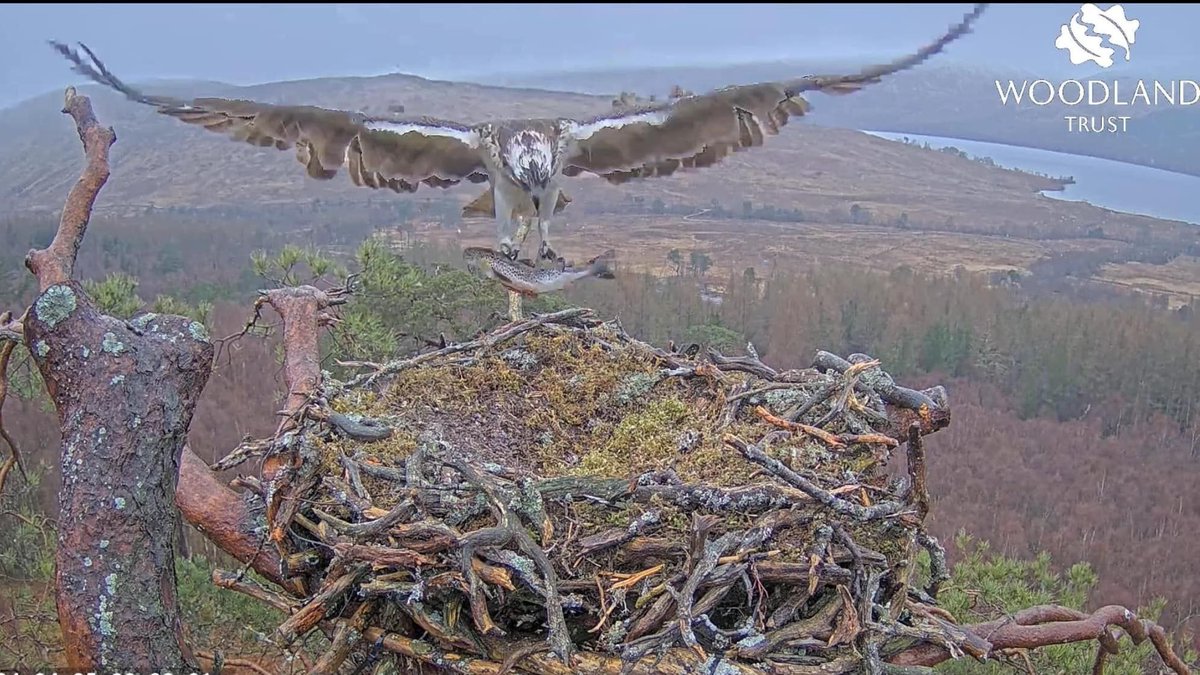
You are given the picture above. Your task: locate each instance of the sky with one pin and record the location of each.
(254, 43)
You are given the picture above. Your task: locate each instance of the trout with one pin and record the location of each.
(521, 277)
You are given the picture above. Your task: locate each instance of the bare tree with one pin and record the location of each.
(125, 392)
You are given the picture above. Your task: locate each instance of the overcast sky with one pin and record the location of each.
(248, 44)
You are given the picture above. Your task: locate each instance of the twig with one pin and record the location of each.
(308, 616)
(747, 364)
(347, 634)
(366, 430)
(231, 581)
(507, 333)
(821, 434)
(236, 663)
(819, 396)
(882, 509)
(243, 452)
(14, 457)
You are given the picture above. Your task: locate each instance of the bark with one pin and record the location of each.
(224, 517)
(1046, 625)
(125, 393)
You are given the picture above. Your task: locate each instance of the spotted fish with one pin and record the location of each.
(521, 277)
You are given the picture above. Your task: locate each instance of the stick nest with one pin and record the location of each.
(558, 491)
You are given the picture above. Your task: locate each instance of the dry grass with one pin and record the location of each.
(642, 244)
(1178, 279)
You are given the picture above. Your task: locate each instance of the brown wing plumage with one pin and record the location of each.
(700, 131)
(395, 153)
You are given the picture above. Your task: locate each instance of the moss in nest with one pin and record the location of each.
(364, 402)
(653, 429)
(634, 387)
(330, 452)
(455, 387)
(643, 441)
(393, 450)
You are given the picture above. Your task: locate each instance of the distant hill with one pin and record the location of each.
(814, 172)
(935, 99)
(161, 161)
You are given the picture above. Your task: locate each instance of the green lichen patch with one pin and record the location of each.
(112, 345)
(140, 321)
(55, 305)
(198, 332)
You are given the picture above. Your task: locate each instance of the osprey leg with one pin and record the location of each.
(514, 306)
(504, 223)
(520, 236)
(545, 212)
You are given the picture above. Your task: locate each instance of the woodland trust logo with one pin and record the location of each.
(1109, 24)
(1091, 38)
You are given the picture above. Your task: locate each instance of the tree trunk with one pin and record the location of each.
(125, 394)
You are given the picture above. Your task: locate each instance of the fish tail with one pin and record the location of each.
(601, 266)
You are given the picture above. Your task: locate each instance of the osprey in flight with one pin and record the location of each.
(524, 160)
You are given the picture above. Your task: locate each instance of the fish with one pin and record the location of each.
(520, 276)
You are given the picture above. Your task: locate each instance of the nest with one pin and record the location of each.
(558, 492)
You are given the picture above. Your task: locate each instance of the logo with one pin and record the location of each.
(1098, 106)
(1084, 36)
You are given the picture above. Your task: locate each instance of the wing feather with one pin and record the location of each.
(396, 153)
(699, 131)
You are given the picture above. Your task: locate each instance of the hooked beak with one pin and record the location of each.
(537, 203)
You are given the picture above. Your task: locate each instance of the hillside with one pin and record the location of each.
(938, 99)
(163, 162)
(810, 191)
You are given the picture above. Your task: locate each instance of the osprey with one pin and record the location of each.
(524, 161)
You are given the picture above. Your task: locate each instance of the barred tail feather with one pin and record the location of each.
(97, 72)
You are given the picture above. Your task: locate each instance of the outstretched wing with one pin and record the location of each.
(395, 153)
(699, 131)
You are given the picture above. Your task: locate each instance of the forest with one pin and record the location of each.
(1072, 452)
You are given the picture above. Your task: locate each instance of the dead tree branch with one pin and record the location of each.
(1046, 625)
(10, 333)
(56, 263)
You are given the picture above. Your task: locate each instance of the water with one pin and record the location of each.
(1119, 186)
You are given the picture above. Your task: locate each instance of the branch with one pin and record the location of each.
(918, 491)
(1046, 625)
(778, 469)
(7, 345)
(56, 263)
(223, 516)
(301, 308)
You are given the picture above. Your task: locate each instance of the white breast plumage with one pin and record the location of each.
(530, 147)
